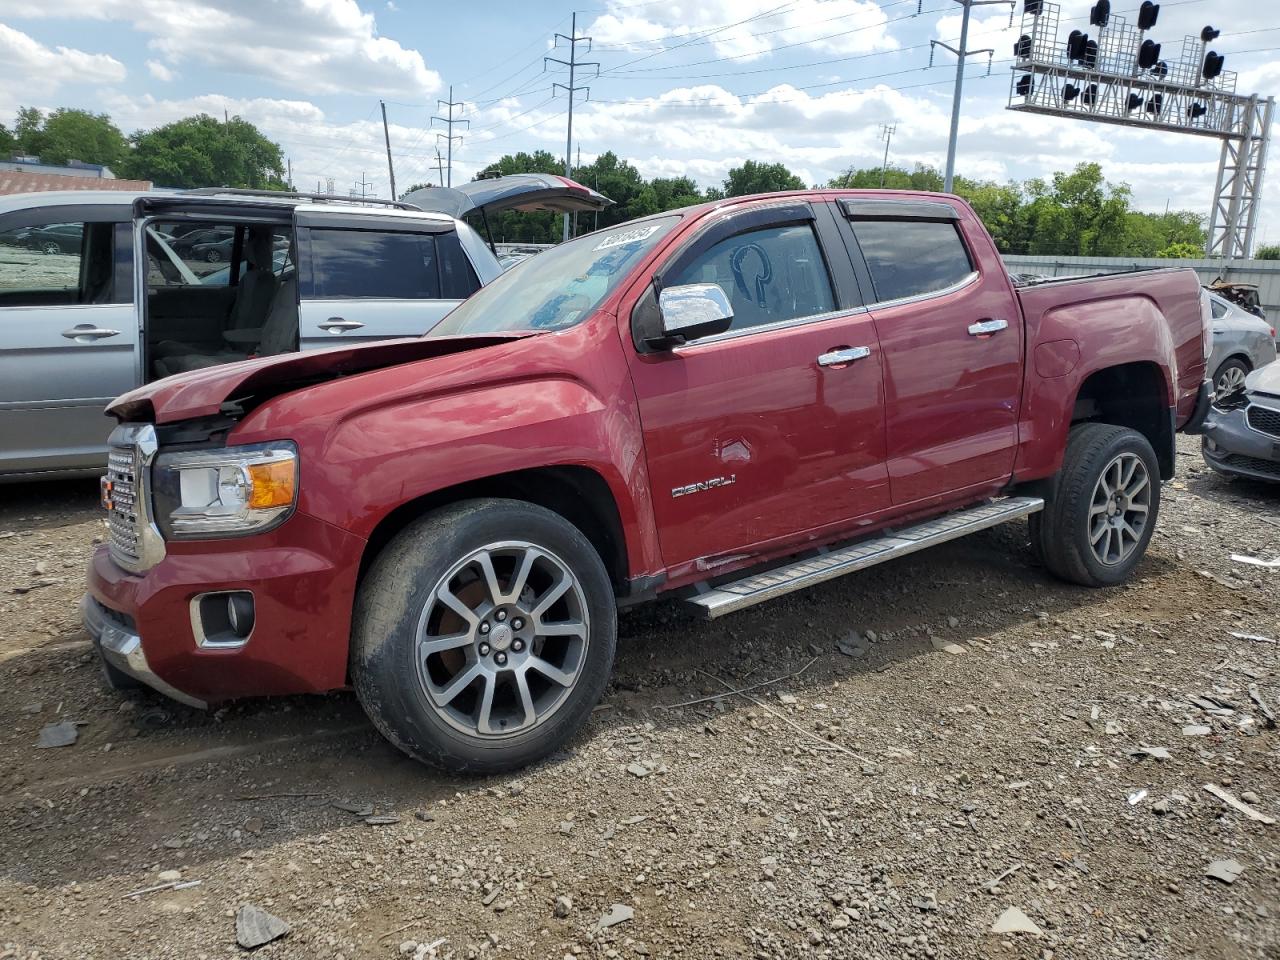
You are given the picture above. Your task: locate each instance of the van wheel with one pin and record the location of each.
(484, 634)
(1096, 526)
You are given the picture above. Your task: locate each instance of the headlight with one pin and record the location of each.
(227, 492)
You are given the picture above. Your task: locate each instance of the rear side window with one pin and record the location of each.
(367, 264)
(57, 264)
(769, 275)
(911, 258)
(1218, 308)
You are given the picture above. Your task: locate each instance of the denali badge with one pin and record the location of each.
(704, 485)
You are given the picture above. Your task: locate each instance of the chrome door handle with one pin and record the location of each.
(338, 325)
(985, 327)
(86, 332)
(847, 355)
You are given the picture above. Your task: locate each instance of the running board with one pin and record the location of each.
(799, 574)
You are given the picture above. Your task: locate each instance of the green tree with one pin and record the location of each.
(426, 185)
(8, 143)
(1270, 252)
(1182, 251)
(756, 177)
(200, 151)
(66, 135)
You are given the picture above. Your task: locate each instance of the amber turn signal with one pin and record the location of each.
(272, 484)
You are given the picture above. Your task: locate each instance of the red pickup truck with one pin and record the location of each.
(723, 403)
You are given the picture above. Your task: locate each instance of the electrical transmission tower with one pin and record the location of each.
(362, 185)
(449, 121)
(963, 53)
(886, 134)
(573, 63)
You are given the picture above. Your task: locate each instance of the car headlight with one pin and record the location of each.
(227, 492)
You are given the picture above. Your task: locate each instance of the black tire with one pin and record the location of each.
(1232, 368)
(213, 256)
(50, 248)
(394, 598)
(1060, 534)
(115, 678)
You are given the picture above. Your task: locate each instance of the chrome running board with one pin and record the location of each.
(715, 602)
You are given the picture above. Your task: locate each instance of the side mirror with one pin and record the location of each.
(690, 311)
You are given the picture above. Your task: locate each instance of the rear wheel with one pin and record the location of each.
(1229, 378)
(1096, 526)
(213, 256)
(484, 634)
(50, 248)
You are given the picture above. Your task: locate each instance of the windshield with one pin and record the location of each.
(558, 288)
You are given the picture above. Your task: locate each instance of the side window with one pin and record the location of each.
(364, 264)
(1217, 308)
(769, 275)
(57, 264)
(458, 278)
(909, 258)
(191, 253)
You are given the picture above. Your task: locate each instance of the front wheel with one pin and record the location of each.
(1230, 377)
(484, 634)
(213, 256)
(1096, 526)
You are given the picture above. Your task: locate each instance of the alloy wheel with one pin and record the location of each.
(1230, 381)
(1119, 509)
(502, 639)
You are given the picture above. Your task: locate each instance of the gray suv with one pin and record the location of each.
(100, 292)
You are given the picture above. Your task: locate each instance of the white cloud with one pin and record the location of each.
(160, 71)
(24, 60)
(317, 46)
(747, 28)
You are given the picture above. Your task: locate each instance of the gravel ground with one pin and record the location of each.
(956, 734)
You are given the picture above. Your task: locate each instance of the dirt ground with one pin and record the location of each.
(957, 735)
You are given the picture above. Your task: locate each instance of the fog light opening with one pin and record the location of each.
(223, 619)
(240, 613)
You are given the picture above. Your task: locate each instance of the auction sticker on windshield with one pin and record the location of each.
(634, 235)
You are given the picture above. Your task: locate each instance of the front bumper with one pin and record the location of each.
(302, 577)
(1231, 446)
(122, 648)
(1204, 403)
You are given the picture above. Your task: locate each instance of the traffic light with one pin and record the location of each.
(1213, 64)
(1155, 103)
(1147, 14)
(1100, 13)
(1148, 54)
(1160, 70)
(1208, 34)
(1069, 92)
(1090, 95)
(1033, 7)
(1091, 53)
(1075, 45)
(1024, 86)
(1196, 110)
(1135, 102)
(1022, 48)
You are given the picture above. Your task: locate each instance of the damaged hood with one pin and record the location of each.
(249, 383)
(1265, 380)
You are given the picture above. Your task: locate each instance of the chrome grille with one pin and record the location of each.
(122, 515)
(1265, 420)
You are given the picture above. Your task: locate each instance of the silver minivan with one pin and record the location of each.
(101, 291)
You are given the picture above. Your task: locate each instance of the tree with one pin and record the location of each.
(66, 135)
(1182, 251)
(8, 143)
(427, 185)
(1271, 252)
(200, 151)
(756, 177)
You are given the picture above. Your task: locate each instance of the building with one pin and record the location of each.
(28, 175)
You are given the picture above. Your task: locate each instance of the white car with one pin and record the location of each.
(118, 307)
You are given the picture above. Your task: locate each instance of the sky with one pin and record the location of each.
(684, 88)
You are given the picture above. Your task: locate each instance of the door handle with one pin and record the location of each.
(338, 325)
(87, 333)
(984, 328)
(836, 358)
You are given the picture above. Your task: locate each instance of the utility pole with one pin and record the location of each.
(572, 63)
(962, 56)
(386, 136)
(439, 164)
(363, 184)
(449, 121)
(886, 134)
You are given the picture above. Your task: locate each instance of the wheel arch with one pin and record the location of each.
(578, 494)
(1133, 395)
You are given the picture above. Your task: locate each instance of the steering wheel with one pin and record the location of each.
(762, 278)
